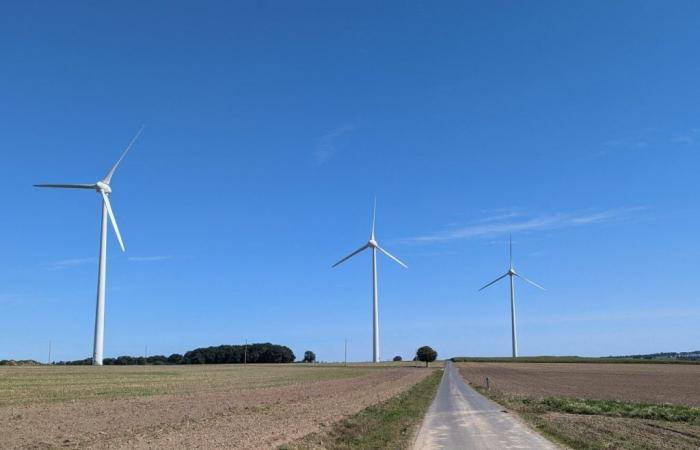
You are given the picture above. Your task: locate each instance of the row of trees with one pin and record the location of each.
(21, 362)
(684, 356)
(128, 360)
(233, 354)
(223, 354)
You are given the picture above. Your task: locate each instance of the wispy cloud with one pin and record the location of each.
(68, 263)
(521, 222)
(150, 258)
(615, 316)
(325, 148)
(688, 138)
(644, 140)
(77, 262)
(24, 299)
(627, 143)
(10, 299)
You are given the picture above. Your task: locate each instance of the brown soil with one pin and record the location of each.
(514, 383)
(258, 417)
(652, 383)
(621, 433)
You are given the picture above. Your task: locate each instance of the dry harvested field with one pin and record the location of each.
(600, 406)
(223, 406)
(653, 383)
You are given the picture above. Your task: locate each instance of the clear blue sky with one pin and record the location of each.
(272, 125)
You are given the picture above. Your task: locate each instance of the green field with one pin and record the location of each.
(44, 384)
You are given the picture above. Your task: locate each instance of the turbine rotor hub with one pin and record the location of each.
(104, 187)
(372, 243)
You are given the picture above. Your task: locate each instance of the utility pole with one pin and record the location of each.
(245, 353)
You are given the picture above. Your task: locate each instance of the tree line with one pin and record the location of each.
(223, 354)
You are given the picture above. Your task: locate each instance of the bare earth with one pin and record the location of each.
(647, 434)
(185, 407)
(644, 383)
(652, 383)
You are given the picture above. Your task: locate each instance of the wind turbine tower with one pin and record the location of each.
(103, 188)
(374, 246)
(512, 274)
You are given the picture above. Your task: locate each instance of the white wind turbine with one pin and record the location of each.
(104, 189)
(512, 274)
(374, 245)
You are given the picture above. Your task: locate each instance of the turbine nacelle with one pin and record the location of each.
(103, 187)
(373, 243)
(512, 273)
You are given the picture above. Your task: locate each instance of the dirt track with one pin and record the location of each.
(653, 383)
(239, 417)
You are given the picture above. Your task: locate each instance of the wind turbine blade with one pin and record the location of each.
(108, 178)
(392, 256)
(350, 255)
(497, 279)
(374, 216)
(67, 186)
(510, 241)
(530, 281)
(113, 220)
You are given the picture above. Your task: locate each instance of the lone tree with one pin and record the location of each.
(398, 358)
(309, 356)
(426, 354)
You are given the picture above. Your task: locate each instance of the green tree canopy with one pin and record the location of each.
(426, 354)
(223, 354)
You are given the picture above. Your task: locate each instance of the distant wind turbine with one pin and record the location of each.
(374, 245)
(104, 189)
(512, 274)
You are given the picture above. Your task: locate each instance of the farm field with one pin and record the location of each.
(217, 406)
(599, 406)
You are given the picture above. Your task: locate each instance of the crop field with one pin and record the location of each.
(599, 406)
(217, 406)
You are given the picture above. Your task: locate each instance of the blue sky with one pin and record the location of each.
(271, 126)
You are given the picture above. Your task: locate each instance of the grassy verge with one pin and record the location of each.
(390, 424)
(614, 408)
(607, 424)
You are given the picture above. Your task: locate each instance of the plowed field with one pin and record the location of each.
(184, 406)
(653, 383)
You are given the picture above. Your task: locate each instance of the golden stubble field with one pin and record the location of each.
(218, 406)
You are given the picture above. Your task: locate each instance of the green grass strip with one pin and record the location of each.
(390, 424)
(614, 408)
